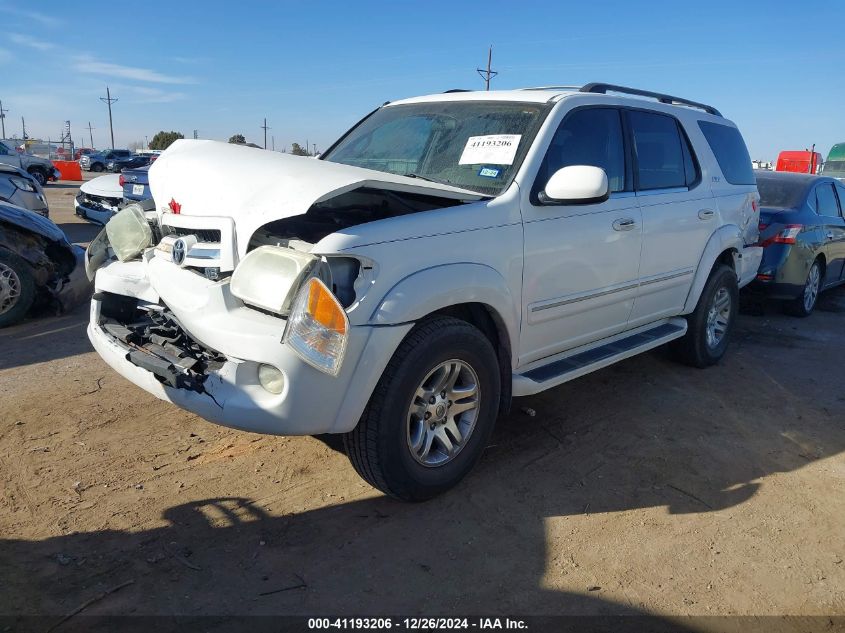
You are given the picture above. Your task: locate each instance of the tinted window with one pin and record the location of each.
(659, 148)
(826, 203)
(587, 137)
(730, 152)
(840, 189)
(780, 193)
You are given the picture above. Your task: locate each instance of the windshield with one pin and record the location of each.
(469, 144)
(781, 193)
(834, 168)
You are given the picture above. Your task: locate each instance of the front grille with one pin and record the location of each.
(202, 235)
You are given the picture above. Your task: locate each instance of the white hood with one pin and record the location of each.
(107, 186)
(213, 178)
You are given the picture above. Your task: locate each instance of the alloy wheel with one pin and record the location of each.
(811, 288)
(10, 288)
(718, 317)
(443, 412)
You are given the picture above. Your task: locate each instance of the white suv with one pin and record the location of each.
(448, 253)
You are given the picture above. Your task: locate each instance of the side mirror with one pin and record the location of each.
(576, 184)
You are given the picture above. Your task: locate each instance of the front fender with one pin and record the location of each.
(439, 287)
(728, 237)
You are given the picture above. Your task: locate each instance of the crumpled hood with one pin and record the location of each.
(106, 186)
(31, 221)
(257, 186)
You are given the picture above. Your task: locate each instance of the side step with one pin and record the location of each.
(579, 363)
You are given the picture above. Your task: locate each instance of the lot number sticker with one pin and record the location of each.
(494, 149)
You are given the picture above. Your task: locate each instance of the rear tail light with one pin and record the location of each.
(787, 235)
(121, 180)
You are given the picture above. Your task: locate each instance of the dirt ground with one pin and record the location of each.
(647, 487)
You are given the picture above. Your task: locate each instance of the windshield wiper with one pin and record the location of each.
(411, 174)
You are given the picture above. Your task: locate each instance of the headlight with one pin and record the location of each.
(129, 232)
(23, 185)
(109, 166)
(318, 328)
(268, 277)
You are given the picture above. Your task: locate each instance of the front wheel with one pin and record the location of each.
(431, 413)
(710, 325)
(39, 176)
(17, 289)
(97, 167)
(803, 305)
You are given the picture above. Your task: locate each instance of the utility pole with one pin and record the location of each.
(273, 141)
(146, 142)
(23, 128)
(3, 119)
(91, 134)
(195, 135)
(110, 101)
(265, 128)
(488, 74)
(315, 150)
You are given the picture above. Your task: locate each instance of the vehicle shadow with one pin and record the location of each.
(43, 336)
(645, 433)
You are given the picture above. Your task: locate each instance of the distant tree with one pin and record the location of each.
(239, 139)
(297, 150)
(163, 140)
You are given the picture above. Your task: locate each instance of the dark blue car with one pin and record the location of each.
(136, 183)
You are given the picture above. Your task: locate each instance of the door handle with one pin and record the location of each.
(706, 214)
(624, 224)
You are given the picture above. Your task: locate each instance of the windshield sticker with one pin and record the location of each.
(497, 149)
(489, 172)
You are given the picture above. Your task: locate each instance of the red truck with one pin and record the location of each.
(803, 162)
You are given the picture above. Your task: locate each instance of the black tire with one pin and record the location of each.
(378, 446)
(803, 305)
(694, 348)
(97, 167)
(22, 279)
(39, 175)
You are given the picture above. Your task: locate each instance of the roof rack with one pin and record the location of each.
(445, 92)
(662, 98)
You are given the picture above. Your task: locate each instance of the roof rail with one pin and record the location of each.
(662, 98)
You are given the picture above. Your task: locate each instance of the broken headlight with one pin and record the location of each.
(129, 232)
(23, 185)
(268, 277)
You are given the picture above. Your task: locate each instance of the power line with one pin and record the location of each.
(110, 101)
(3, 119)
(488, 74)
(265, 128)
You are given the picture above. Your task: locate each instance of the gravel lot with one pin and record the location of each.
(646, 487)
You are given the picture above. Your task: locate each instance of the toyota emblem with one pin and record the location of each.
(180, 249)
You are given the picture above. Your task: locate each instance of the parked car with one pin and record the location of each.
(39, 168)
(37, 264)
(803, 232)
(83, 151)
(448, 253)
(834, 166)
(799, 162)
(136, 184)
(99, 199)
(19, 188)
(98, 161)
(133, 162)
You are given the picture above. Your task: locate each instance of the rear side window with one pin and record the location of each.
(592, 136)
(826, 203)
(730, 152)
(664, 159)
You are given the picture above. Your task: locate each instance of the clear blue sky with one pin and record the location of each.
(314, 68)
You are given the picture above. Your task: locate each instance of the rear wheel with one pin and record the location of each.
(17, 289)
(431, 413)
(803, 305)
(710, 325)
(98, 167)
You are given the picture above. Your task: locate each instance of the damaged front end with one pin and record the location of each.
(155, 341)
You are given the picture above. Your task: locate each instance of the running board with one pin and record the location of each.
(599, 355)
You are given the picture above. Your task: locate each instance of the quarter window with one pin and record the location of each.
(592, 136)
(664, 160)
(730, 152)
(826, 203)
